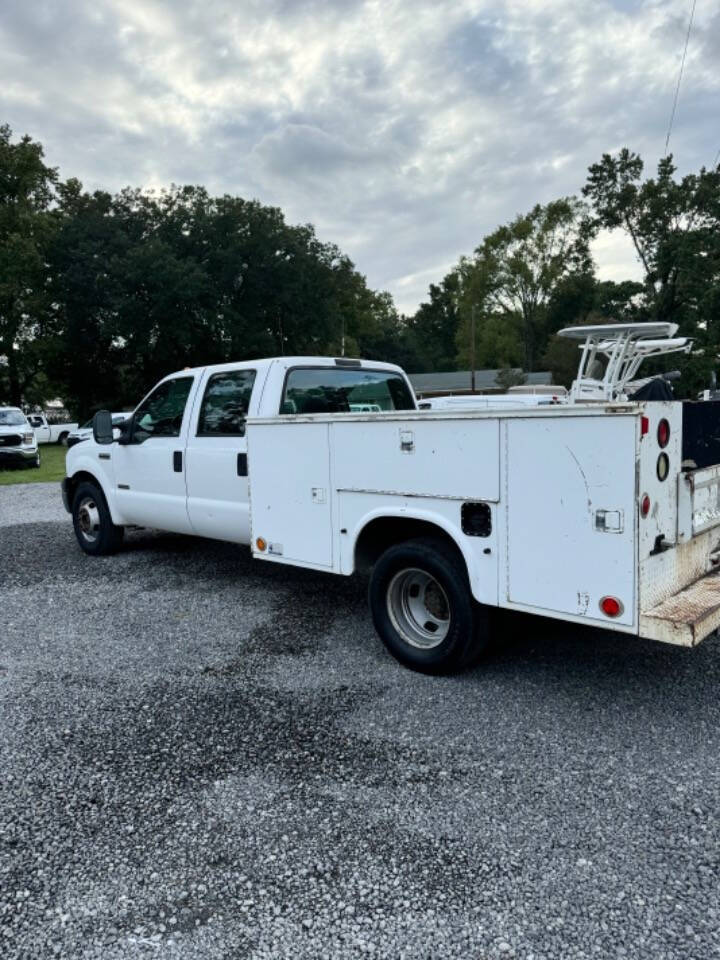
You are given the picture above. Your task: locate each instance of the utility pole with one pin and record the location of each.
(472, 349)
(342, 337)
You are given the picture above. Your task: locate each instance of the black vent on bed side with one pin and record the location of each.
(476, 519)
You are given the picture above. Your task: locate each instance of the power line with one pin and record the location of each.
(677, 88)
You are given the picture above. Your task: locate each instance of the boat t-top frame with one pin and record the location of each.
(624, 346)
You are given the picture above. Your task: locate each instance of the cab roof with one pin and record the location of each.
(342, 363)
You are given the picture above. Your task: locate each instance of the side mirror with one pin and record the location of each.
(103, 427)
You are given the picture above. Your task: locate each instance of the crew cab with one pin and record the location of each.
(17, 440)
(594, 511)
(46, 432)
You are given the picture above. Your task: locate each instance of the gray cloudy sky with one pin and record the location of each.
(404, 130)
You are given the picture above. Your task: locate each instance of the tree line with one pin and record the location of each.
(102, 294)
(535, 275)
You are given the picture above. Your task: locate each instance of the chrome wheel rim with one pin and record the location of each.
(418, 608)
(89, 520)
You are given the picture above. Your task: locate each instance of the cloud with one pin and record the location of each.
(404, 130)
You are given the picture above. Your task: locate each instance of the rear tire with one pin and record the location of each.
(423, 608)
(94, 529)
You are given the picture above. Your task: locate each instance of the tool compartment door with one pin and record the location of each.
(571, 516)
(290, 494)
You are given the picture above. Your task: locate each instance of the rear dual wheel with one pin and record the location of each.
(423, 609)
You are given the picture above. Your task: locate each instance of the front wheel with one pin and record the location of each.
(423, 609)
(63, 439)
(94, 529)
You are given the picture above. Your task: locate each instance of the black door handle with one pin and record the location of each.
(242, 465)
(177, 461)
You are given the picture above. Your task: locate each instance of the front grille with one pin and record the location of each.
(10, 440)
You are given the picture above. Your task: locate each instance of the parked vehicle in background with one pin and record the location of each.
(18, 444)
(553, 390)
(600, 511)
(520, 396)
(484, 401)
(84, 432)
(46, 432)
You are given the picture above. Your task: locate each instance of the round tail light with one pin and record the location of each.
(611, 606)
(663, 433)
(645, 505)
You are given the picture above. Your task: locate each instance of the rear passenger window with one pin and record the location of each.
(225, 404)
(332, 390)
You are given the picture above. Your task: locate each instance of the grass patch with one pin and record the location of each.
(52, 467)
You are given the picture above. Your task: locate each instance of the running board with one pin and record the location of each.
(687, 617)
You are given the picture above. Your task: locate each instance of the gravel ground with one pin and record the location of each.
(202, 756)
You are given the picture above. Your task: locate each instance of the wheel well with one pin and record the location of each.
(384, 532)
(81, 477)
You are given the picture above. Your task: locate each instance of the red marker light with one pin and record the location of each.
(645, 505)
(611, 606)
(663, 434)
(644, 426)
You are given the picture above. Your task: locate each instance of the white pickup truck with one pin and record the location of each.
(18, 445)
(584, 512)
(46, 432)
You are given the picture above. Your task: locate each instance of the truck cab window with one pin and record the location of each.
(161, 414)
(225, 404)
(332, 390)
(36, 421)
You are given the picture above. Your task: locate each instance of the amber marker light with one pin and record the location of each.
(261, 544)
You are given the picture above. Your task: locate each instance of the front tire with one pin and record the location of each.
(423, 608)
(63, 439)
(36, 461)
(94, 529)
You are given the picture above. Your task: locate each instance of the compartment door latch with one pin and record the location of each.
(407, 441)
(609, 521)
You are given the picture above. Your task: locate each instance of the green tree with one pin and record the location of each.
(432, 331)
(84, 350)
(145, 283)
(27, 189)
(674, 226)
(498, 342)
(514, 272)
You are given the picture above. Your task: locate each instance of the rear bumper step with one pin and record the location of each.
(687, 617)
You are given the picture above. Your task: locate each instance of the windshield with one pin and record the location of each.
(12, 418)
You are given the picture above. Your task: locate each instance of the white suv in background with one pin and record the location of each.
(18, 444)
